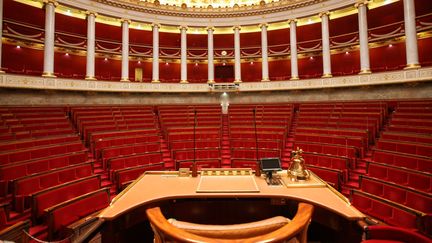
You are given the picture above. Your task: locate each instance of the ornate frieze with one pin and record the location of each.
(402, 76)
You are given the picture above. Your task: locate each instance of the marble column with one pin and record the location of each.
(125, 50)
(183, 55)
(293, 48)
(363, 37)
(264, 53)
(91, 37)
(155, 66)
(412, 58)
(325, 44)
(237, 57)
(48, 67)
(1, 33)
(210, 55)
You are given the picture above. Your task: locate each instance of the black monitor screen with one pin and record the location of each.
(270, 164)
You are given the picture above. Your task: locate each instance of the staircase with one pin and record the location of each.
(225, 149)
(289, 143)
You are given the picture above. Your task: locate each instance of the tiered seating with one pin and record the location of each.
(337, 163)
(193, 134)
(24, 187)
(257, 132)
(107, 118)
(398, 184)
(123, 177)
(122, 162)
(22, 169)
(338, 132)
(414, 179)
(24, 122)
(128, 149)
(67, 212)
(57, 194)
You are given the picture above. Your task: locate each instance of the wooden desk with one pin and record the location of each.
(153, 187)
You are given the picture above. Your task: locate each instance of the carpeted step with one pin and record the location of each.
(106, 183)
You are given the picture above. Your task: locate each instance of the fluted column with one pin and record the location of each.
(48, 69)
(155, 74)
(264, 53)
(91, 37)
(237, 60)
(1, 33)
(210, 55)
(183, 64)
(363, 37)
(293, 48)
(125, 50)
(325, 44)
(412, 58)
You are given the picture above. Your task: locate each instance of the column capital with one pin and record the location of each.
(237, 27)
(53, 2)
(155, 25)
(210, 28)
(361, 3)
(292, 20)
(91, 13)
(324, 13)
(181, 27)
(263, 25)
(125, 20)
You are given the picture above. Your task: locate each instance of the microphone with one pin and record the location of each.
(257, 167)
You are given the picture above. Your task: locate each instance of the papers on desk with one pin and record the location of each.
(224, 183)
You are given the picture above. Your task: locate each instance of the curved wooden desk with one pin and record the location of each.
(152, 187)
(228, 199)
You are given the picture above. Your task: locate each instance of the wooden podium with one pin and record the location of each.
(186, 195)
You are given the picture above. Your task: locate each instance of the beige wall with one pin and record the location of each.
(41, 97)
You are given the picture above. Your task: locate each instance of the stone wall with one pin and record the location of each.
(421, 90)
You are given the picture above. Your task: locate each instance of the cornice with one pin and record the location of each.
(150, 8)
(384, 78)
(146, 12)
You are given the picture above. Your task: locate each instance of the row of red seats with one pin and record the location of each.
(68, 212)
(333, 149)
(123, 140)
(408, 137)
(123, 177)
(254, 153)
(13, 156)
(332, 176)
(98, 136)
(128, 149)
(121, 162)
(24, 187)
(410, 198)
(42, 200)
(387, 211)
(405, 147)
(22, 169)
(33, 142)
(356, 142)
(340, 163)
(414, 179)
(35, 134)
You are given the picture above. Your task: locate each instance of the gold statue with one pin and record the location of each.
(297, 170)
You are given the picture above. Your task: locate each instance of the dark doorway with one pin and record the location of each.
(224, 73)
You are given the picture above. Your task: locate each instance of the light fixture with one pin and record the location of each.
(390, 45)
(311, 58)
(18, 47)
(105, 59)
(251, 63)
(139, 62)
(66, 54)
(346, 53)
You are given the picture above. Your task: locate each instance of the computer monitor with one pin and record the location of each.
(270, 164)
